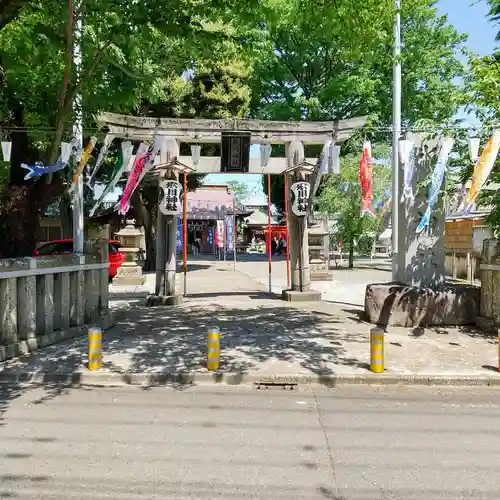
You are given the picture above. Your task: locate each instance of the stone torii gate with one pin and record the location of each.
(235, 137)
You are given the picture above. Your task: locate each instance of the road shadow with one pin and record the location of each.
(172, 341)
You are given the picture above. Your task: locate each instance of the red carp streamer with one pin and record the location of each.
(366, 180)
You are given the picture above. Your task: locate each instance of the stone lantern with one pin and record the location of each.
(129, 273)
(317, 263)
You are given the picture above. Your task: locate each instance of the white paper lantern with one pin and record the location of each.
(265, 154)
(473, 148)
(65, 151)
(196, 153)
(6, 150)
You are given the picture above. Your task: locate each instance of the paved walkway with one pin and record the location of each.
(346, 288)
(261, 336)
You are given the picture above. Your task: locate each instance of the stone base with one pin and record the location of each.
(488, 325)
(25, 347)
(129, 280)
(162, 300)
(393, 304)
(321, 276)
(295, 296)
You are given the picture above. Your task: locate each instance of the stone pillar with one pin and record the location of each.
(161, 248)
(326, 243)
(489, 299)
(166, 240)
(103, 292)
(91, 295)
(77, 298)
(129, 273)
(171, 256)
(421, 257)
(8, 311)
(298, 236)
(45, 304)
(62, 292)
(99, 249)
(26, 304)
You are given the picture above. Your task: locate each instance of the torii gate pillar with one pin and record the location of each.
(298, 236)
(166, 240)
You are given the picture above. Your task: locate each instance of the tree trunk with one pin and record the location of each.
(351, 254)
(22, 202)
(19, 221)
(143, 218)
(150, 248)
(66, 216)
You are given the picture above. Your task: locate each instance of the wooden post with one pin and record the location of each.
(454, 265)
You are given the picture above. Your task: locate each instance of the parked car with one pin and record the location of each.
(65, 247)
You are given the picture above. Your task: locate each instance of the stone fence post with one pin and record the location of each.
(489, 308)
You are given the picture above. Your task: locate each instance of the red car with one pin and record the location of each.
(65, 247)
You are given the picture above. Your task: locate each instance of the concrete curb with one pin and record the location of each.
(111, 379)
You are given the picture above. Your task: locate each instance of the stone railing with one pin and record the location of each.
(47, 299)
(489, 309)
(462, 264)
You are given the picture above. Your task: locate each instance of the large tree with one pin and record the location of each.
(127, 61)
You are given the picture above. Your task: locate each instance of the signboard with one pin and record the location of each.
(301, 192)
(171, 202)
(179, 235)
(235, 152)
(229, 234)
(219, 234)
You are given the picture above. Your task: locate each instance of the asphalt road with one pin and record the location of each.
(352, 443)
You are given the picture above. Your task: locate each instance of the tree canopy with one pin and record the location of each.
(339, 69)
(193, 60)
(270, 59)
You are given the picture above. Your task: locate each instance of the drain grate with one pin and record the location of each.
(286, 386)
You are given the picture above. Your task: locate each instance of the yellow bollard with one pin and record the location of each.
(95, 355)
(377, 350)
(213, 349)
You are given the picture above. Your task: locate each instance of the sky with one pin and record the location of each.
(468, 16)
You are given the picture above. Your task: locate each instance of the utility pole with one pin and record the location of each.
(396, 133)
(78, 215)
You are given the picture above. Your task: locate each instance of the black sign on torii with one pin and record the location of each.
(235, 152)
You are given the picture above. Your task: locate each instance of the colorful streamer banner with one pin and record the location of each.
(330, 159)
(143, 164)
(366, 180)
(437, 178)
(38, 169)
(407, 155)
(482, 170)
(83, 161)
(120, 167)
(102, 154)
